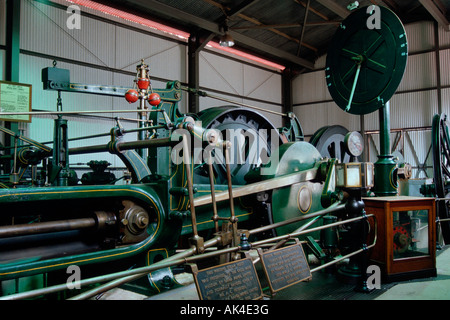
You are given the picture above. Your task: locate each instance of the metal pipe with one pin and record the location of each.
(71, 112)
(99, 135)
(187, 163)
(179, 258)
(185, 253)
(299, 233)
(355, 252)
(44, 227)
(332, 208)
(172, 261)
(183, 257)
(162, 142)
(230, 185)
(233, 220)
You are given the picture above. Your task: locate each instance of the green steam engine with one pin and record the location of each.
(202, 188)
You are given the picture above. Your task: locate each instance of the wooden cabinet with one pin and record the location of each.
(406, 236)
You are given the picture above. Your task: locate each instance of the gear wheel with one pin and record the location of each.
(250, 135)
(402, 239)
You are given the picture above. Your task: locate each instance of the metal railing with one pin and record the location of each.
(118, 278)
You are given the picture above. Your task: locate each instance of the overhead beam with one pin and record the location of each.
(248, 3)
(335, 7)
(257, 22)
(289, 25)
(303, 27)
(241, 7)
(318, 13)
(436, 13)
(213, 27)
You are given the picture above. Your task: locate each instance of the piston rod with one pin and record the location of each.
(44, 227)
(101, 220)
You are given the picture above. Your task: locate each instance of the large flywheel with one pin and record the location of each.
(252, 137)
(441, 166)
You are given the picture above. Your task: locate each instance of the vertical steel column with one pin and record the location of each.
(438, 67)
(385, 168)
(362, 124)
(12, 40)
(12, 59)
(197, 41)
(286, 94)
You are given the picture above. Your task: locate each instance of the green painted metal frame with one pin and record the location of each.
(165, 233)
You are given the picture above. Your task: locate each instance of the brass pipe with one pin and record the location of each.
(233, 219)
(332, 208)
(215, 216)
(179, 258)
(230, 185)
(187, 163)
(299, 233)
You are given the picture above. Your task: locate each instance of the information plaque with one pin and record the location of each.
(236, 280)
(15, 97)
(285, 267)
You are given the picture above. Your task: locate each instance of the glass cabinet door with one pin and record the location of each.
(410, 233)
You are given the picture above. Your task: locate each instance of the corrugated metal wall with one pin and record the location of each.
(262, 88)
(89, 53)
(413, 106)
(106, 50)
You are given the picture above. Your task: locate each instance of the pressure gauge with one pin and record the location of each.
(354, 143)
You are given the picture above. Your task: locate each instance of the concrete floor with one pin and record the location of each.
(435, 288)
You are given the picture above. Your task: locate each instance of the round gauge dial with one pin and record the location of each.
(354, 143)
(365, 64)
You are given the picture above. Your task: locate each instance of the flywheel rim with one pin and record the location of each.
(441, 167)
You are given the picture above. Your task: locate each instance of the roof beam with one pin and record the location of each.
(303, 28)
(241, 7)
(289, 25)
(433, 9)
(258, 23)
(335, 7)
(324, 17)
(213, 27)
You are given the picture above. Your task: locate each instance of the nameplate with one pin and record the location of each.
(285, 267)
(236, 280)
